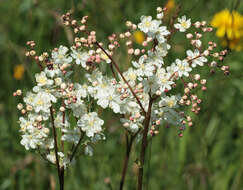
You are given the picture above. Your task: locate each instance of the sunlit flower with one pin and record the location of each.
(229, 27)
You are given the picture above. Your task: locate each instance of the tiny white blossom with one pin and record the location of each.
(183, 68)
(80, 57)
(170, 102)
(143, 68)
(60, 56)
(183, 24)
(196, 61)
(161, 33)
(110, 99)
(42, 80)
(43, 101)
(90, 123)
(148, 25)
(164, 79)
(162, 49)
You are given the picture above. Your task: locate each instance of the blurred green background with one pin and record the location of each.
(209, 156)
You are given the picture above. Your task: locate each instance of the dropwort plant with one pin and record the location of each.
(59, 116)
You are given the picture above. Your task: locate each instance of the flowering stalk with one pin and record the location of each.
(143, 93)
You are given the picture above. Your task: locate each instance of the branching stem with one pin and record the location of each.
(144, 145)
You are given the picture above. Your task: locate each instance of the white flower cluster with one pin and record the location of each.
(147, 87)
(56, 96)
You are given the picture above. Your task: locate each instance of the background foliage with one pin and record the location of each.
(209, 156)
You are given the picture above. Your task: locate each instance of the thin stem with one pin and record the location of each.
(129, 144)
(76, 147)
(144, 145)
(63, 122)
(59, 170)
(119, 71)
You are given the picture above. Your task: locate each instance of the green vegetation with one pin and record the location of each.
(209, 156)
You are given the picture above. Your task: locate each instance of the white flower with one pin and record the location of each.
(154, 58)
(43, 101)
(78, 108)
(80, 57)
(29, 98)
(150, 84)
(170, 102)
(162, 49)
(196, 61)
(198, 43)
(60, 56)
(25, 124)
(171, 69)
(29, 141)
(132, 107)
(111, 99)
(52, 156)
(183, 24)
(102, 88)
(133, 128)
(42, 80)
(148, 25)
(160, 15)
(90, 123)
(164, 79)
(183, 68)
(104, 56)
(131, 76)
(54, 71)
(161, 33)
(80, 91)
(143, 69)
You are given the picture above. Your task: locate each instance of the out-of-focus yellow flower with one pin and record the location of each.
(18, 72)
(235, 44)
(229, 28)
(138, 37)
(170, 5)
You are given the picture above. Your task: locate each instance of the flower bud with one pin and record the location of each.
(197, 77)
(20, 106)
(159, 9)
(62, 109)
(19, 92)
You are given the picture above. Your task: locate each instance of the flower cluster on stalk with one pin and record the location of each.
(58, 103)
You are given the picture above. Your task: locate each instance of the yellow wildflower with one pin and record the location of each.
(18, 72)
(229, 28)
(170, 5)
(138, 37)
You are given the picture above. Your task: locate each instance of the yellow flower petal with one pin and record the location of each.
(138, 37)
